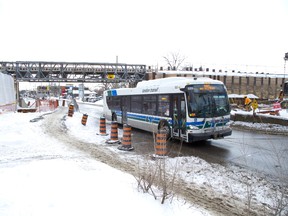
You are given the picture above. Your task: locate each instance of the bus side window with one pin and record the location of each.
(113, 102)
(109, 101)
(149, 104)
(163, 105)
(128, 103)
(136, 104)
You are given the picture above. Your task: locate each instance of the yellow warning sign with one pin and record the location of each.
(254, 104)
(110, 76)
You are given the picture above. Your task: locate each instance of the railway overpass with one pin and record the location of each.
(41, 71)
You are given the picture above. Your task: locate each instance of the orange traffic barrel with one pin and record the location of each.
(71, 110)
(114, 134)
(161, 145)
(84, 119)
(126, 140)
(102, 127)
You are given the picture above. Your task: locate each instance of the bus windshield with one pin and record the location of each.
(207, 100)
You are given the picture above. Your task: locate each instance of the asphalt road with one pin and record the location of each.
(254, 151)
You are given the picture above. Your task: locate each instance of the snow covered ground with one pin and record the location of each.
(41, 176)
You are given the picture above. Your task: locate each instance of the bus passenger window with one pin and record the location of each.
(145, 107)
(113, 102)
(109, 101)
(163, 105)
(136, 104)
(149, 104)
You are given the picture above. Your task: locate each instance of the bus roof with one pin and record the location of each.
(179, 81)
(163, 85)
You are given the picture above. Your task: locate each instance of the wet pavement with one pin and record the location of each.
(261, 152)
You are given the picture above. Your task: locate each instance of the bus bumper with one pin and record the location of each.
(193, 137)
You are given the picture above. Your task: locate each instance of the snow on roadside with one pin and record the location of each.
(283, 114)
(40, 176)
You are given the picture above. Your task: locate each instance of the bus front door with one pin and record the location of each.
(179, 116)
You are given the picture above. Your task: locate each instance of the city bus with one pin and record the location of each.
(188, 109)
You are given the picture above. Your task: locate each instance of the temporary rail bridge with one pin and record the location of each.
(34, 71)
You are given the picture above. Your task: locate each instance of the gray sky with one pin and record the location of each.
(221, 32)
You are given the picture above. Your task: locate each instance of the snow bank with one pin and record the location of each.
(7, 93)
(41, 176)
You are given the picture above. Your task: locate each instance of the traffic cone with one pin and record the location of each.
(102, 128)
(84, 119)
(126, 140)
(114, 134)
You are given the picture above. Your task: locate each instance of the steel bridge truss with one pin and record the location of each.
(74, 72)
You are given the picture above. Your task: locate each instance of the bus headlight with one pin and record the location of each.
(229, 123)
(191, 127)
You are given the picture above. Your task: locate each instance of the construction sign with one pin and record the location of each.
(254, 104)
(110, 76)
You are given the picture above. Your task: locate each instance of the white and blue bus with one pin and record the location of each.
(189, 109)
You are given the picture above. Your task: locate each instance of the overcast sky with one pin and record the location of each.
(223, 32)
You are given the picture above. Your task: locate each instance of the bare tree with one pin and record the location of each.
(174, 60)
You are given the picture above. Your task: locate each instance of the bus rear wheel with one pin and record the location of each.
(163, 125)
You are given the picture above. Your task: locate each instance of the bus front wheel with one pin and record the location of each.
(163, 125)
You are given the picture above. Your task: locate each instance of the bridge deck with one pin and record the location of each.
(74, 71)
